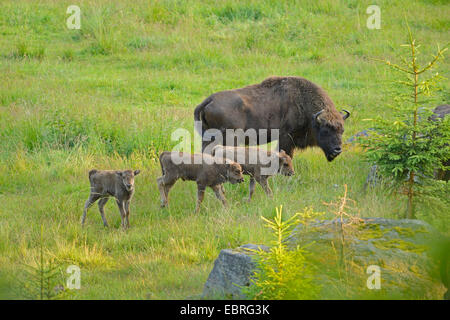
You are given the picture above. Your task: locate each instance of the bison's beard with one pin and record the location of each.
(331, 156)
(331, 153)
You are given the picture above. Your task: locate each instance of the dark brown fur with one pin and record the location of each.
(254, 170)
(111, 183)
(284, 103)
(204, 174)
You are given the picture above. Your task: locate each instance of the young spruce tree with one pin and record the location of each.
(408, 147)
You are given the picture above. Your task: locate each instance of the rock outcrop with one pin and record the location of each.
(399, 248)
(232, 270)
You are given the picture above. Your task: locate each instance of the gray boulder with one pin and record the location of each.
(354, 138)
(440, 112)
(232, 269)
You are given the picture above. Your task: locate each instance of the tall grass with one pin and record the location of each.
(108, 96)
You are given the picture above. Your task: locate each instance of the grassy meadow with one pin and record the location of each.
(109, 95)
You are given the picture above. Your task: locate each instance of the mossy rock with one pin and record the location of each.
(399, 247)
(399, 244)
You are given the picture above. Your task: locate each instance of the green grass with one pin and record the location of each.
(109, 96)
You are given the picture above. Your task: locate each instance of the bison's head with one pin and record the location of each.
(234, 172)
(127, 177)
(285, 168)
(328, 131)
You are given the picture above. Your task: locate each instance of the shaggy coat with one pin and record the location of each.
(300, 109)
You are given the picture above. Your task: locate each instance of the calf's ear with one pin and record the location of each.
(119, 173)
(136, 172)
(282, 155)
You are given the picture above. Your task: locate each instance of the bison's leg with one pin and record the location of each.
(219, 194)
(286, 143)
(164, 186)
(89, 202)
(127, 212)
(101, 204)
(200, 196)
(262, 180)
(121, 205)
(167, 188)
(251, 188)
(162, 191)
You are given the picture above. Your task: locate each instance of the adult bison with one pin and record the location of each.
(301, 110)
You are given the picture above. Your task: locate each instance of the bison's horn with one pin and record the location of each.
(315, 115)
(347, 114)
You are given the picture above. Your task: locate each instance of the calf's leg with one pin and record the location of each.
(219, 194)
(164, 185)
(200, 196)
(251, 188)
(101, 204)
(127, 212)
(121, 205)
(89, 202)
(262, 180)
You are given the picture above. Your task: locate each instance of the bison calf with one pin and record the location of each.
(200, 168)
(108, 183)
(258, 163)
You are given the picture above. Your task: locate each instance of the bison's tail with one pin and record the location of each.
(161, 162)
(91, 172)
(199, 115)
